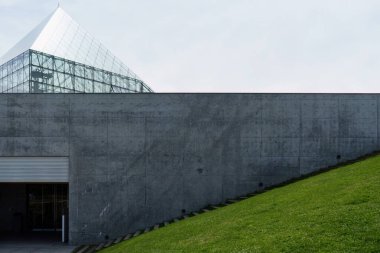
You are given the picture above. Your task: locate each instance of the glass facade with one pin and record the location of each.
(59, 56)
(37, 72)
(14, 75)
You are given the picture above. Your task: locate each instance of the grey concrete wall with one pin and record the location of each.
(139, 159)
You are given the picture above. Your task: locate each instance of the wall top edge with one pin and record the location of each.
(180, 93)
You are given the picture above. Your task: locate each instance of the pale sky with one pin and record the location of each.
(224, 45)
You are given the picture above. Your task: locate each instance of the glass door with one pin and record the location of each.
(46, 204)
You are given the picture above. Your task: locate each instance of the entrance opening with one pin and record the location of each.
(46, 203)
(33, 211)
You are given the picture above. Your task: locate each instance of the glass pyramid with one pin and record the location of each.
(59, 56)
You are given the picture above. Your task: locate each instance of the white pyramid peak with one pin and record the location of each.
(61, 36)
(26, 43)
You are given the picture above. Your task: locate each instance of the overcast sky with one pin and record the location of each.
(224, 45)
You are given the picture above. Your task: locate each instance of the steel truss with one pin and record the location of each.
(37, 72)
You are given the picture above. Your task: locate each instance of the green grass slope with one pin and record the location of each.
(337, 211)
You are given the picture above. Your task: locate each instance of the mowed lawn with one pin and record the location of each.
(337, 211)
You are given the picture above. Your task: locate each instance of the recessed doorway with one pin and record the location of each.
(32, 207)
(31, 217)
(46, 204)
(33, 201)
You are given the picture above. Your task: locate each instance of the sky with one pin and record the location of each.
(224, 45)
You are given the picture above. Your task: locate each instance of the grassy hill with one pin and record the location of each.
(337, 211)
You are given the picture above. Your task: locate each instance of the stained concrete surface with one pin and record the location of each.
(37, 242)
(141, 159)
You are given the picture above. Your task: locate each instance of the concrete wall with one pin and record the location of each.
(139, 159)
